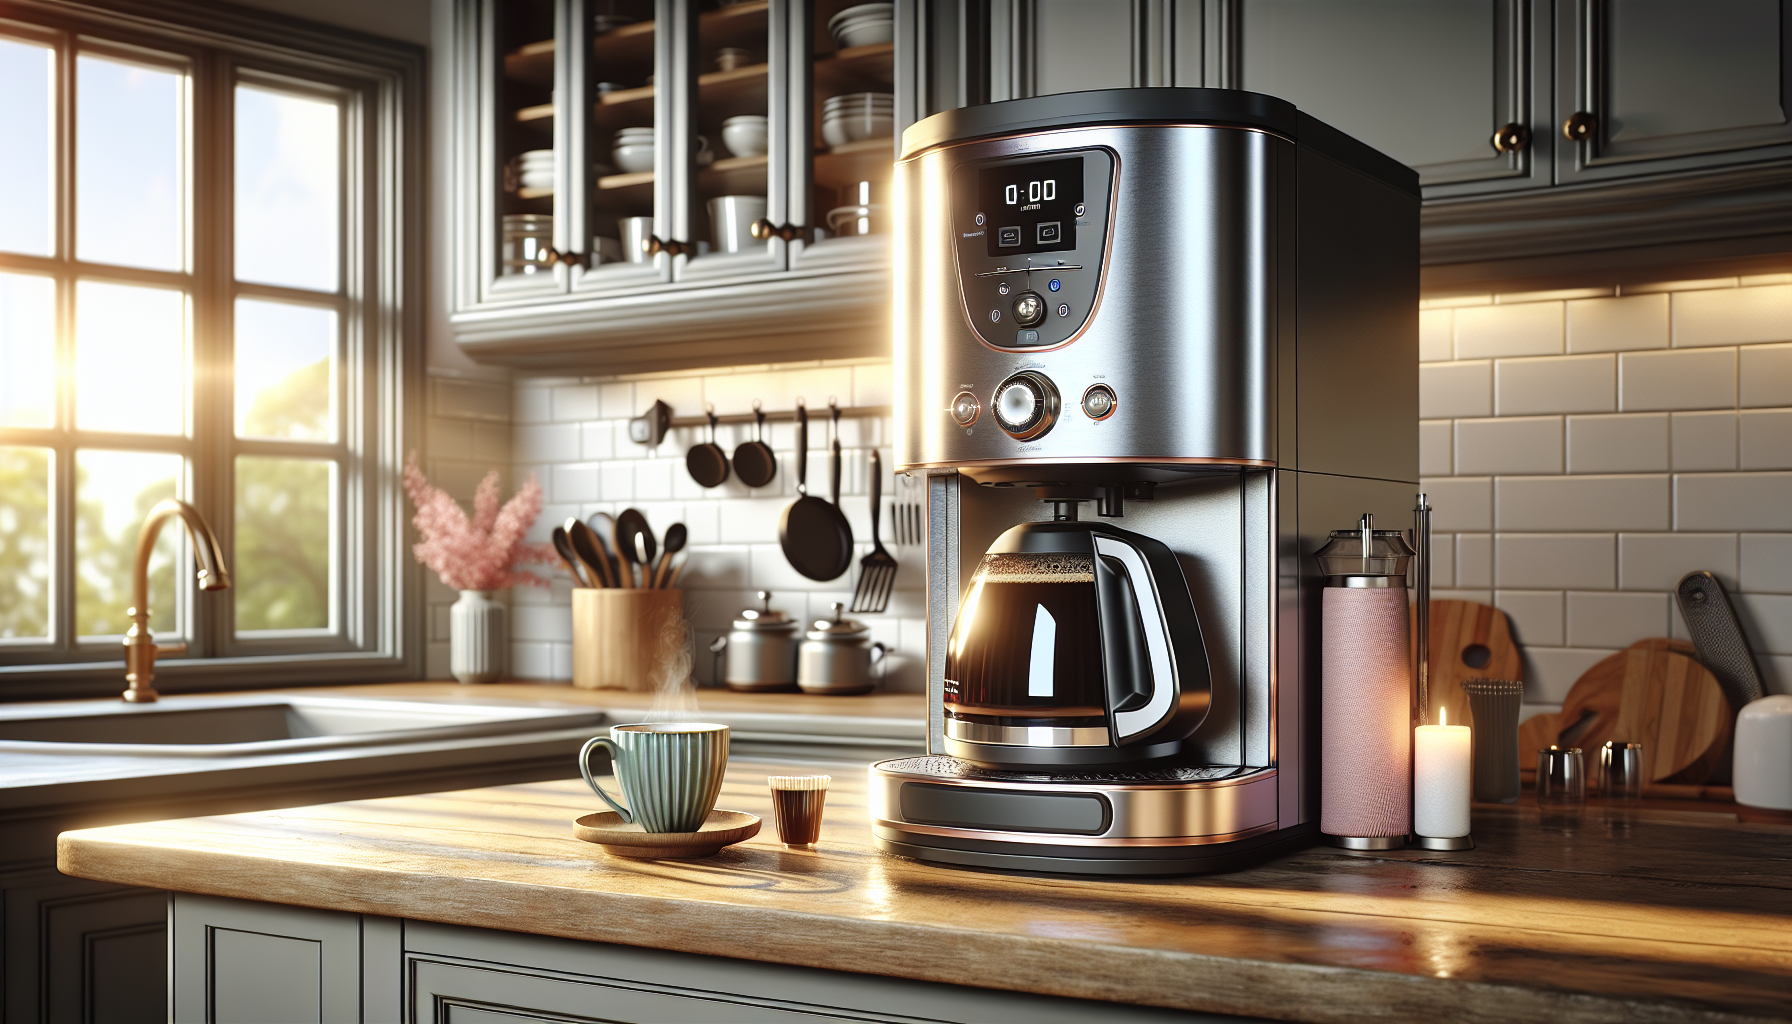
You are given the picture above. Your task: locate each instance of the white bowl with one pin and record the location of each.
(633, 159)
(860, 100)
(536, 179)
(857, 11)
(746, 139)
(865, 32)
(838, 131)
(634, 133)
(758, 119)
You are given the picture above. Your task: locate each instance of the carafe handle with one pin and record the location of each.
(1159, 657)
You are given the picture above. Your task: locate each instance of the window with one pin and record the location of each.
(202, 295)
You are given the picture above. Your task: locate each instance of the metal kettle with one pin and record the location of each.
(759, 653)
(1076, 644)
(835, 658)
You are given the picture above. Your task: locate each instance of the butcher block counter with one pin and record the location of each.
(1654, 915)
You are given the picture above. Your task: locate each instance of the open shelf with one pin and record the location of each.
(742, 25)
(734, 176)
(532, 64)
(859, 69)
(865, 160)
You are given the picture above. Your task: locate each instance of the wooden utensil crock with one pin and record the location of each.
(624, 639)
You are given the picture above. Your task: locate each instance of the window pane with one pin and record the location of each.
(130, 358)
(130, 150)
(113, 492)
(286, 190)
(24, 542)
(27, 350)
(285, 370)
(281, 578)
(27, 213)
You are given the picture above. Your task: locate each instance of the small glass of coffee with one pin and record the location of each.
(796, 803)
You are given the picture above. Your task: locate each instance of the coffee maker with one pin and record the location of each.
(1152, 347)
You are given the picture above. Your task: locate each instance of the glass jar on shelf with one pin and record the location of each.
(528, 244)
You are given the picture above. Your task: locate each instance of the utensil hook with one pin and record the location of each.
(709, 409)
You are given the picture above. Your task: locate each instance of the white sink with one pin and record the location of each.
(183, 726)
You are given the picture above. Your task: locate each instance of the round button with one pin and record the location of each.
(1002, 289)
(1063, 309)
(1099, 402)
(1080, 210)
(1055, 285)
(979, 220)
(965, 408)
(995, 316)
(1029, 309)
(1026, 405)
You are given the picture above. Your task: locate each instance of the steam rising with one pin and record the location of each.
(674, 692)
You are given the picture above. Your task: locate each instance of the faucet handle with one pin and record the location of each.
(175, 648)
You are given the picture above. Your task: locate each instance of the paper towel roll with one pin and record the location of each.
(1365, 786)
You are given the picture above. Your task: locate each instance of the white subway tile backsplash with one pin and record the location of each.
(653, 479)
(1767, 439)
(1527, 329)
(1622, 443)
(1443, 560)
(1656, 561)
(1536, 615)
(1615, 619)
(492, 442)
(1618, 325)
(1693, 379)
(597, 440)
(1460, 503)
(469, 399)
(1733, 501)
(1767, 621)
(750, 520)
(540, 622)
(1553, 671)
(1637, 502)
(1461, 594)
(1455, 389)
(1531, 444)
(1767, 563)
(1566, 561)
(574, 483)
(1776, 672)
(1740, 316)
(575, 402)
(1436, 335)
(616, 400)
(616, 482)
(1474, 560)
(1435, 447)
(1527, 387)
(1704, 441)
(1765, 376)
(532, 405)
(546, 442)
(683, 394)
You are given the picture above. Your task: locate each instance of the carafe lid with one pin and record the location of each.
(1365, 551)
(837, 628)
(765, 618)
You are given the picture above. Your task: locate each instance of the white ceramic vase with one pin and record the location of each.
(478, 637)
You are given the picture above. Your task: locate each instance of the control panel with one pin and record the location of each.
(1031, 235)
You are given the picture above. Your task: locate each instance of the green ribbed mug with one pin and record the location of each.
(671, 773)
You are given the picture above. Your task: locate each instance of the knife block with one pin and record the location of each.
(626, 639)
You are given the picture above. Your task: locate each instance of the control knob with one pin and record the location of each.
(1026, 405)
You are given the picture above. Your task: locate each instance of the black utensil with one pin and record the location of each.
(707, 463)
(814, 535)
(585, 546)
(563, 547)
(877, 570)
(755, 464)
(1718, 637)
(676, 535)
(630, 525)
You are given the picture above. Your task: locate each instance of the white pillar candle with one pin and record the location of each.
(1441, 781)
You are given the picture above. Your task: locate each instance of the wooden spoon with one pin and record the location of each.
(563, 547)
(584, 544)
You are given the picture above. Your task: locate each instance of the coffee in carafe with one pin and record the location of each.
(1025, 644)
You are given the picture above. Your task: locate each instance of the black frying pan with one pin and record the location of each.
(755, 464)
(816, 539)
(707, 463)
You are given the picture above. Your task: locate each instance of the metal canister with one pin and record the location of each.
(759, 652)
(837, 657)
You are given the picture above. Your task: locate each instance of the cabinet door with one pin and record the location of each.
(1427, 83)
(1670, 85)
(842, 144)
(451, 993)
(240, 962)
(81, 950)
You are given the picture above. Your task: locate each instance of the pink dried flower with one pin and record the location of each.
(481, 553)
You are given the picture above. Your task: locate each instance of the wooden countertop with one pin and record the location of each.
(1655, 916)
(870, 705)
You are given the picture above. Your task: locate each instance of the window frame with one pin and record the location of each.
(378, 345)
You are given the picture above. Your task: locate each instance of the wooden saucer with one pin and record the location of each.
(721, 829)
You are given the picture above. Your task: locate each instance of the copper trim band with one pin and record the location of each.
(1059, 839)
(1026, 735)
(1080, 787)
(941, 147)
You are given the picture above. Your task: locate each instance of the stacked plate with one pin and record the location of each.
(856, 116)
(864, 25)
(535, 169)
(633, 152)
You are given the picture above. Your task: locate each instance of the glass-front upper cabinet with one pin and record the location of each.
(851, 51)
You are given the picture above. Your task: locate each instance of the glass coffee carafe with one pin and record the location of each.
(1027, 645)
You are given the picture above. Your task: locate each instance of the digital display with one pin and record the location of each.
(1031, 207)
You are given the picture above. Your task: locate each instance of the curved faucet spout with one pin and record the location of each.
(140, 648)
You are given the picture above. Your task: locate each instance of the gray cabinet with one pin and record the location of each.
(80, 950)
(587, 128)
(242, 962)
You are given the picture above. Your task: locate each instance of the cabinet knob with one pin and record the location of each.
(654, 245)
(1511, 138)
(551, 256)
(1579, 126)
(763, 229)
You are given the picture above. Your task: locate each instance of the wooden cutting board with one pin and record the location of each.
(1654, 693)
(1468, 641)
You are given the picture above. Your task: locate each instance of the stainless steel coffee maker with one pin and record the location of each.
(1152, 345)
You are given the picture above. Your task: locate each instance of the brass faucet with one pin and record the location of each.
(140, 649)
